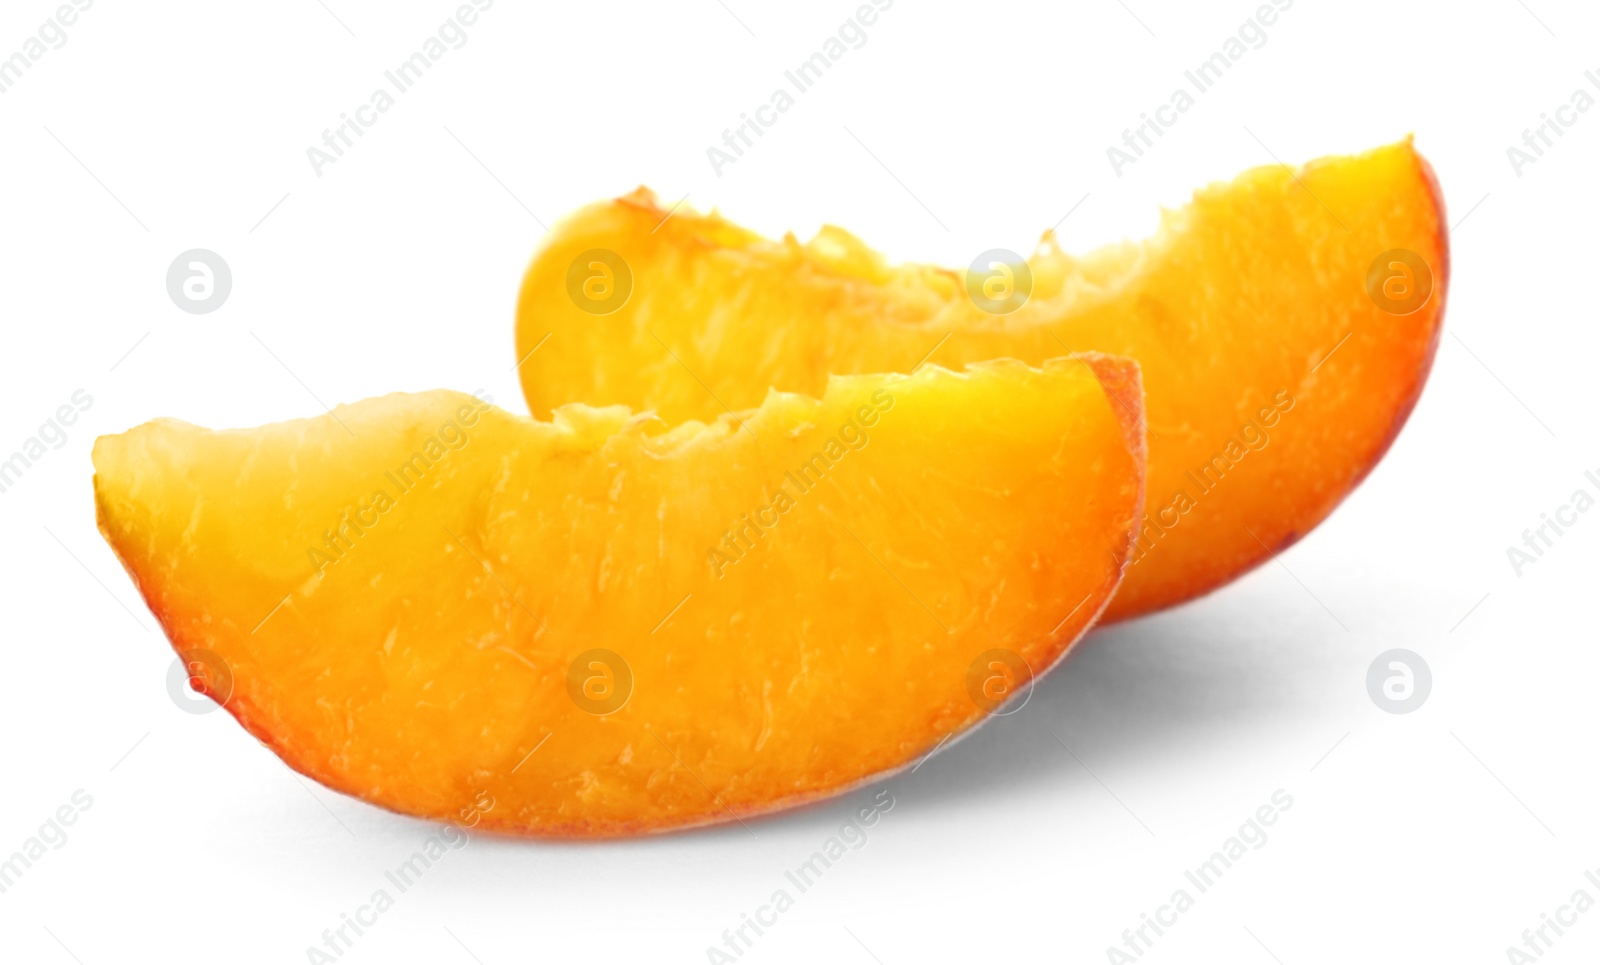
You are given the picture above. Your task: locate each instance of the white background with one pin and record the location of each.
(1434, 836)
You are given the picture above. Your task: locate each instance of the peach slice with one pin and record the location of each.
(1284, 323)
(604, 626)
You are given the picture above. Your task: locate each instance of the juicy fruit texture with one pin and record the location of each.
(603, 626)
(1274, 380)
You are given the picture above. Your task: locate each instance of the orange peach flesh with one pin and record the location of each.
(1275, 380)
(551, 629)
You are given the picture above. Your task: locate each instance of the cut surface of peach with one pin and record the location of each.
(601, 625)
(1285, 324)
